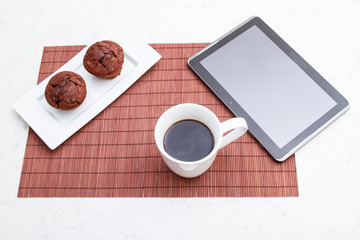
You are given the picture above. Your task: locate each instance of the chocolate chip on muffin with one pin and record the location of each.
(65, 90)
(104, 59)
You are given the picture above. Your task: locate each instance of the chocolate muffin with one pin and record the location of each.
(104, 59)
(65, 90)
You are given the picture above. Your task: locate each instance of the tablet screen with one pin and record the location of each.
(259, 77)
(281, 98)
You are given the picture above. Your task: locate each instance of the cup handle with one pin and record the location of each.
(236, 126)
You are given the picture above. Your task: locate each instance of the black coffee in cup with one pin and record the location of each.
(188, 140)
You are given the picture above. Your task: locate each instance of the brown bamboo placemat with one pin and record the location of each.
(114, 155)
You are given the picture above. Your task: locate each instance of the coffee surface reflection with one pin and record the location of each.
(188, 140)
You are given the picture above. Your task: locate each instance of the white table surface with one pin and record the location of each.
(325, 32)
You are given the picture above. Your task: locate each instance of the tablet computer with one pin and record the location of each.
(259, 77)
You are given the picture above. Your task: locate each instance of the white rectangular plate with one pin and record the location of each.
(54, 126)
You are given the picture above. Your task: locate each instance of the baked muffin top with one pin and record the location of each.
(65, 90)
(104, 59)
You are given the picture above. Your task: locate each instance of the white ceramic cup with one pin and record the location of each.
(234, 128)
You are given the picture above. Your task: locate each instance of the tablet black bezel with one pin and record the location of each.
(254, 128)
